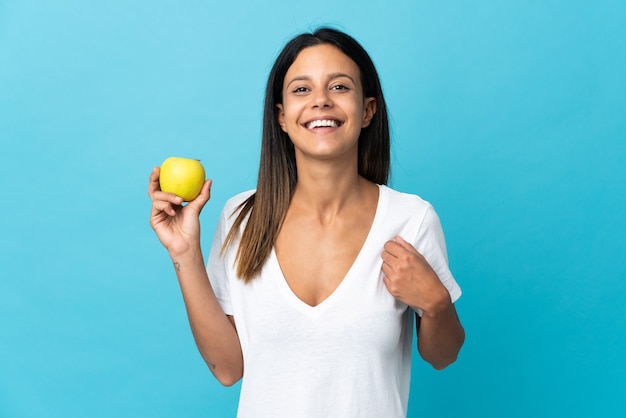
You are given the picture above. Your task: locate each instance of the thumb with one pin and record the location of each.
(205, 194)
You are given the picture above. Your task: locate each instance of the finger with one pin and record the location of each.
(203, 197)
(153, 183)
(162, 213)
(387, 257)
(205, 191)
(387, 270)
(167, 197)
(154, 189)
(163, 206)
(394, 248)
(405, 244)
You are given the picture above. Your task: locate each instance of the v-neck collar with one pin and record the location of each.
(365, 251)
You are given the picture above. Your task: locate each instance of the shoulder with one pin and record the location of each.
(231, 209)
(401, 202)
(410, 209)
(234, 202)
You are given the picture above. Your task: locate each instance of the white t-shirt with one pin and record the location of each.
(349, 356)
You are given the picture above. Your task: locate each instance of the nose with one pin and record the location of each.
(322, 99)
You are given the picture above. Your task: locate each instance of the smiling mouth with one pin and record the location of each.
(323, 123)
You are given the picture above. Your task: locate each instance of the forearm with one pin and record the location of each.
(440, 336)
(215, 335)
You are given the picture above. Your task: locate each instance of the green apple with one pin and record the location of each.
(182, 176)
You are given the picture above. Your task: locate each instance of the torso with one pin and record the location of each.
(321, 350)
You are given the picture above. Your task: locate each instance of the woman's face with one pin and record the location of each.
(323, 109)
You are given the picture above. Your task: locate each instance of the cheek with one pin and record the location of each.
(287, 119)
(290, 114)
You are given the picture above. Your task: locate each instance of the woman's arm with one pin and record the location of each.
(411, 280)
(213, 331)
(440, 336)
(178, 229)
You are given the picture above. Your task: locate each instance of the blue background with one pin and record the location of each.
(509, 116)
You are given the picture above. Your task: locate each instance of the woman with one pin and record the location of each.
(313, 277)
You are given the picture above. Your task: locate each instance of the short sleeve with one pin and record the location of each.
(430, 242)
(217, 267)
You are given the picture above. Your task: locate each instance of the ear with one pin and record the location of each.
(369, 109)
(281, 116)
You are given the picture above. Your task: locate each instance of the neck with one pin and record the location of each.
(325, 189)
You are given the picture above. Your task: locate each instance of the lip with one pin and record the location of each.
(338, 122)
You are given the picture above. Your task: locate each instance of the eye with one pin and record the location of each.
(339, 87)
(300, 90)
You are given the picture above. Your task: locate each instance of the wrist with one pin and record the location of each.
(188, 264)
(439, 306)
(186, 255)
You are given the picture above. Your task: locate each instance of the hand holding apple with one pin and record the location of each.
(183, 177)
(177, 226)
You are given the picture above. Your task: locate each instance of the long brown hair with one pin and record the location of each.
(267, 207)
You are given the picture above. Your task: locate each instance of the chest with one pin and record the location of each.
(315, 254)
(314, 262)
(360, 312)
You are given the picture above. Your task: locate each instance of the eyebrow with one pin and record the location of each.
(332, 76)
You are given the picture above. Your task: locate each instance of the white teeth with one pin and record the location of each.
(323, 122)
